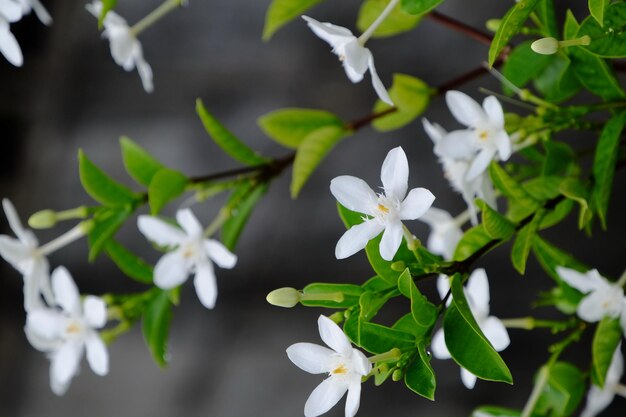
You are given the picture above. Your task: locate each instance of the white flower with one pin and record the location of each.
(10, 11)
(192, 254)
(445, 232)
(456, 169)
(477, 294)
(64, 334)
(125, 47)
(344, 364)
(387, 210)
(41, 12)
(484, 138)
(603, 299)
(599, 398)
(356, 58)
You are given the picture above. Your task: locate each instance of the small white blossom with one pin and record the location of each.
(477, 294)
(385, 210)
(483, 140)
(356, 58)
(344, 365)
(10, 11)
(67, 332)
(36, 6)
(445, 232)
(193, 254)
(600, 398)
(126, 49)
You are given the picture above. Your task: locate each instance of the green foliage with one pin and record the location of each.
(129, 263)
(563, 392)
(281, 12)
(510, 25)
(606, 340)
(597, 8)
(423, 311)
(472, 241)
(523, 65)
(106, 223)
(410, 96)
(578, 191)
(397, 22)
(496, 225)
(289, 127)
(376, 338)
(608, 41)
(101, 187)
(165, 186)
(524, 242)
(241, 204)
(518, 197)
(546, 14)
(419, 7)
(139, 164)
(351, 294)
(157, 318)
(558, 82)
(419, 376)
(226, 140)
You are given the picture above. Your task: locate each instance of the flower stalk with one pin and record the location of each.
(157, 14)
(380, 19)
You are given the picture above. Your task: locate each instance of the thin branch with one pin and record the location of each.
(461, 27)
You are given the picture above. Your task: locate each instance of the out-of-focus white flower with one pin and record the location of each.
(66, 333)
(126, 49)
(192, 254)
(36, 6)
(600, 398)
(477, 294)
(10, 11)
(344, 365)
(387, 209)
(445, 232)
(356, 58)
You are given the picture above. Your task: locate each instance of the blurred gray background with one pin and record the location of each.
(231, 361)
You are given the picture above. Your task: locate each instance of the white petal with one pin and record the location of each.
(64, 362)
(434, 131)
(468, 378)
(311, 358)
(355, 238)
(95, 311)
(41, 343)
(496, 333)
(97, 354)
(394, 174)
(360, 363)
(478, 290)
(324, 397)
(583, 282)
(391, 241)
(10, 48)
(170, 271)
(438, 346)
(45, 323)
(14, 252)
(206, 285)
(59, 388)
(145, 74)
(32, 295)
(160, 232)
(480, 163)
(11, 10)
(41, 12)
(189, 222)
(65, 291)
(416, 204)
(355, 60)
(443, 286)
(353, 193)
(330, 33)
(353, 399)
(220, 254)
(333, 336)
(41, 275)
(14, 219)
(591, 308)
(616, 369)
(494, 112)
(597, 401)
(465, 109)
(503, 143)
(95, 8)
(435, 217)
(458, 144)
(380, 89)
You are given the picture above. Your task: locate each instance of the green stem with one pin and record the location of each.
(380, 19)
(157, 14)
(530, 323)
(109, 336)
(392, 354)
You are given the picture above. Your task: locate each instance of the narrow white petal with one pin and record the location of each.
(324, 397)
(64, 362)
(353, 193)
(95, 8)
(458, 144)
(391, 241)
(494, 112)
(311, 358)
(355, 238)
(616, 369)
(333, 336)
(592, 308)
(480, 163)
(328, 32)
(597, 400)
(443, 286)
(45, 323)
(416, 204)
(145, 74)
(32, 295)
(438, 346)
(379, 87)
(468, 378)
(496, 333)
(14, 219)
(477, 290)
(356, 59)
(97, 354)
(41, 274)
(583, 282)
(206, 285)
(65, 291)
(353, 399)
(435, 217)
(503, 143)
(95, 311)
(434, 131)
(59, 388)
(189, 222)
(160, 232)
(14, 252)
(394, 174)
(170, 271)
(11, 10)
(220, 254)
(465, 109)
(41, 12)
(360, 363)
(10, 48)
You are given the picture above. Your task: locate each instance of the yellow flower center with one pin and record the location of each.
(73, 328)
(340, 370)
(483, 135)
(383, 209)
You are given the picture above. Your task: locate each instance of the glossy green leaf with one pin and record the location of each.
(557, 82)
(510, 25)
(557, 214)
(101, 187)
(156, 326)
(604, 163)
(546, 13)
(511, 188)
(311, 153)
(351, 294)
(419, 377)
(226, 140)
(138, 163)
(523, 65)
(377, 339)
(410, 96)
(563, 392)
(597, 8)
(472, 241)
(608, 41)
(496, 225)
(290, 127)
(606, 340)
(377, 284)
(408, 324)
(281, 12)
(424, 312)
(107, 223)
(242, 202)
(165, 186)
(466, 342)
(524, 242)
(419, 6)
(577, 191)
(398, 21)
(559, 158)
(129, 263)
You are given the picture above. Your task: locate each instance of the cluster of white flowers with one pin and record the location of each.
(12, 11)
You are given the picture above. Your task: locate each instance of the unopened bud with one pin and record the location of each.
(43, 219)
(284, 297)
(398, 266)
(493, 25)
(337, 317)
(545, 46)
(397, 375)
(87, 226)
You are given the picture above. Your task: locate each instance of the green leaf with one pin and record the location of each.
(129, 263)
(496, 225)
(107, 5)
(557, 82)
(605, 341)
(524, 242)
(138, 163)
(107, 223)
(351, 294)
(523, 65)
(411, 97)
(420, 376)
(408, 324)
(472, 241)
(492, 411)
(376, 338)
(577, 191)
(156, 326)
(608, 41)
(510, 25)
(597, 8)
(559, 158)
(419, 6)
(549, 256)
(101, 187)
(604, 163)
(289, 127)
(511, 188)
(397, 21)
(466, 342)
(281, 12)
(546, 13)
(377, 284)
(242, 201)
(371, 303)
(226, 140)
(424, 312)
(563, 392)
(165, 186)
(311, 152)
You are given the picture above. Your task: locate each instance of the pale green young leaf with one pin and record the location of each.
(493, 411)
(157, 318)
(597, 8)
(397, 22)
(410, 96)
(472, 241)
(107, 223)
(424, 312)
(165, 186)
(289, 127)
(138, 163)
(523, 65)
(242, 202)
(524, 242)
(612, 45)
(129, 263)
(281, 12)
(563, 392)
(419, 7)
(606, 339)
(101, 187)
(510, 25)
(578, 191)
(518, 197)
(378, 339)
(419, 376)
(557, 82)
(496, 225)
(351, 294)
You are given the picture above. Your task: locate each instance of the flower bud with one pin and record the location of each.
(284, 297)
(43, 219)
(398, 266)
(545, 46)
(397, 375)
(493, 25)
(337, 317)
